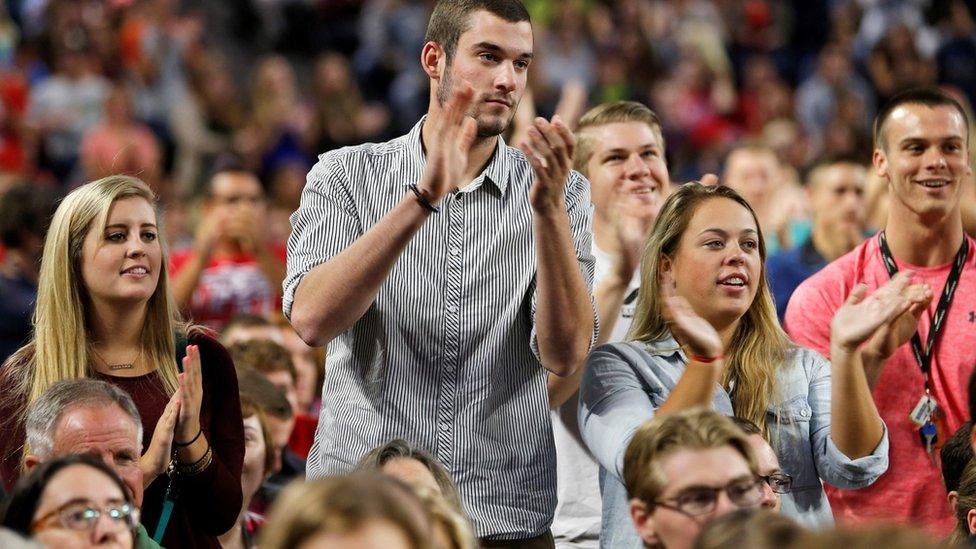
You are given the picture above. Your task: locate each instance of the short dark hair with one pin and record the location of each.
(18, 512)
(264, 356)
(26, 208)
(929, 97)
(229, 163)
(247, 320)
(451, 18)
(955, 455)
(252, 384)
(828, 160)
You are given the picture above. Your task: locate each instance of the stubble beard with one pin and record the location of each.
(484, 129)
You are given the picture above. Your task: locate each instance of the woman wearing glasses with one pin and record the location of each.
(706, 334)
(73, 501)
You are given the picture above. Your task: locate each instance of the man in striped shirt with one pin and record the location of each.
(449, 272)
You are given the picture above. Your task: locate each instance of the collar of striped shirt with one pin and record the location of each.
(497, 172)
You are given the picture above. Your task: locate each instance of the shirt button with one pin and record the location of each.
(455, 250)
(452, 308)
(442, 426)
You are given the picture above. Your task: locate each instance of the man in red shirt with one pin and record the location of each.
(231, 268)
(921, 152)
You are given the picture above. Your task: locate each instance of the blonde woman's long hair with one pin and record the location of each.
(61, 346)
(759, 345)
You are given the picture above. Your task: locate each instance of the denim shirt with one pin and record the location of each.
(624, 383)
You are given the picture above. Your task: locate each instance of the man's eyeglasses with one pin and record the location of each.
(700, 501)
(781, 483)
(81, 515)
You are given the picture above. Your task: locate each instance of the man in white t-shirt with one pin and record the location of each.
(620, 150)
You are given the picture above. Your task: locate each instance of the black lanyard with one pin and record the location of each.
(924, 358)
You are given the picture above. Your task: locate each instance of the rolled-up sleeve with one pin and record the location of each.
(833, 466)
(614, 402)
(325, 223)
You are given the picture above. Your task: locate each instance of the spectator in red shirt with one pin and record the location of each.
(231, 268)
(922, 154)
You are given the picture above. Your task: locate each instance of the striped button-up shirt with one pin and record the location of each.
(446, 356)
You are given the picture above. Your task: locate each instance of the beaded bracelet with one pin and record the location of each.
(195, 468)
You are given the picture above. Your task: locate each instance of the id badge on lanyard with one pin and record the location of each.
(927, 414)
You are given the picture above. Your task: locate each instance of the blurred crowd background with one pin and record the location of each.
(169, 90)
(162, 88)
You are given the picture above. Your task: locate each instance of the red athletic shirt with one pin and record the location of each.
(911, 490)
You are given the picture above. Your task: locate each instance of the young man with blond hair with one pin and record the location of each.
(684, 469)
(620, 150)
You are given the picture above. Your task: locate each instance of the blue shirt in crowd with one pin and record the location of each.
(624, 384)
(787, 269)
(17, 297)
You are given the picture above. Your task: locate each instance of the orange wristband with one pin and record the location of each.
(705, 359)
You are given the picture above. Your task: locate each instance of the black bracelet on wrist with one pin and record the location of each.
(184, 470)
(185, 444)
(423, 199)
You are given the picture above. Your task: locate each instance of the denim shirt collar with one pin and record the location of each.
(667, 347)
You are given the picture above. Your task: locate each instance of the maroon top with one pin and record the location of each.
(209, 503)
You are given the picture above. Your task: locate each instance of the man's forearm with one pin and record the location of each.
(562, 388)
(564, 315)
(609, 296)
(873, 365)
(856, 427)
(334, 295)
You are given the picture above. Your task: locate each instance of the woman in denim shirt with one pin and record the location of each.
(706, 333)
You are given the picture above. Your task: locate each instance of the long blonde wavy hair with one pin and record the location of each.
(61, 346)
(759, 345)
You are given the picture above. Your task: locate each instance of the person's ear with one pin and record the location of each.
(971, 521)
(430, 60)
(31, 461)
(664, 264)
(643, 522)
(880, 161)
